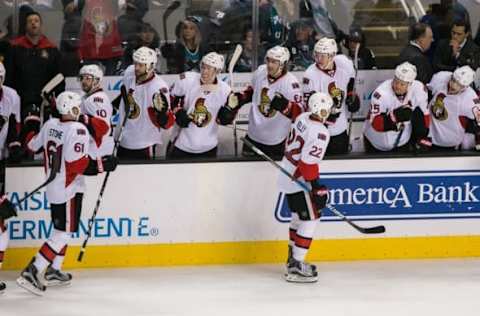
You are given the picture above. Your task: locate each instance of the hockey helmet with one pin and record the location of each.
(67, 102)
(214, 60)
(406, 72)
(278, 53)
(93, 70)
(326, 46)
(464, 75)
(320, 104)
(145, 55)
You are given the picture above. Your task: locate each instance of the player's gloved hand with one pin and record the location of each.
(160, 102)
(319, 195)
(279, 102)
(84, 119)
(233, 101)
(7, 209)
(109, 163)
(353, 102)
(423, 145)
(182, 118)
(332, 118)
(15, 153)
(401, 114)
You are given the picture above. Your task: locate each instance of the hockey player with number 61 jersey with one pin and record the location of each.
(306, 145)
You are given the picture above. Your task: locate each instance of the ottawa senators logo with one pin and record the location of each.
(200, 115)
(134, 108)
(336, 94)
(438, 109)
(264, 106)
(100, 22)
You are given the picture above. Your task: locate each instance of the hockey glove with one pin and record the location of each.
(7, 209)
(332, 118)
(401, 114)
(279, 102)
(160, 102)
(182, 118)
(319, 195)
(353, 102)
(3, 120)
(109, 163)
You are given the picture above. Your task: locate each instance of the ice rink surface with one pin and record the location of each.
(383, 288)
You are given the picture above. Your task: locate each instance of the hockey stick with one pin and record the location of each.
(399, 136)
(364, 230)
(233, 61)
(91, 221)
(355, 66)
(46, 90)
(168, 11)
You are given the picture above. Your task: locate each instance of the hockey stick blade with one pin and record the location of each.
(363, 230)
(52, 84)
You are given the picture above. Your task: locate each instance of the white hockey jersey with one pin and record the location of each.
(334, 83)
(307, 143)
(140, 132)
(9, 104)
(384, 101)
(98, 105)
(449, 111)
(266, 125)
(70, 140)
(202, 105)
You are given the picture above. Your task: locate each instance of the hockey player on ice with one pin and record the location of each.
(65, 143)
(305, 148)
(398, 114)
(332, 75)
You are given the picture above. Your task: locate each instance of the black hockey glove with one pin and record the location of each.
(182, 118)
(7, 209)
(332, 118)
(402, 114)
(319, 195)
(353, 102)
(109, 163)
(279, 102)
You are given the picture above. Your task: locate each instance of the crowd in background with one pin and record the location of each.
(442, 40)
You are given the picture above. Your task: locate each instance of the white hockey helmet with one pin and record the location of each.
(3, 73)
(214, 60)
(326, 45)
(67, 102)
(406, 72)
(320, 104)
(145, 55)
(279, 53)
(93, 70)
(464, 75)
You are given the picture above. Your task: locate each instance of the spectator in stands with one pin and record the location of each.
(100, 40)
(459, 50)
(421, 38)
(186, 53)
(72, 15)
(32, 61)
(245, 62)
(130, 23)
(147, 36)
(365, 58)
(301, 45)
(323, 23)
